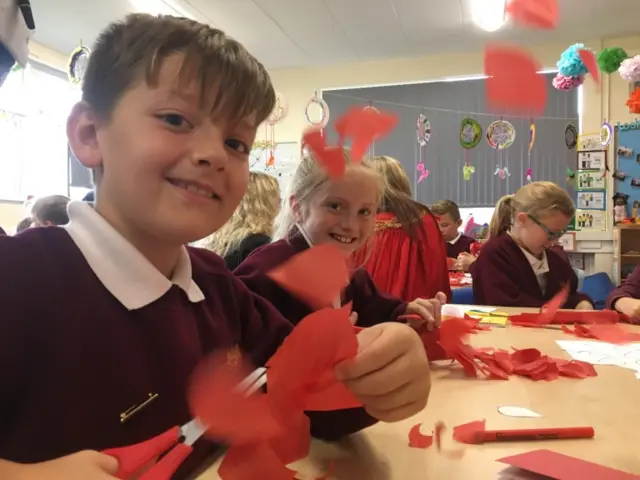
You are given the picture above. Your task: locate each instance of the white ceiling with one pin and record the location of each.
(299, 33)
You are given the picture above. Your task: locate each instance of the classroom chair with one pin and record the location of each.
(581, 274)
(462, 296)
(598, 286)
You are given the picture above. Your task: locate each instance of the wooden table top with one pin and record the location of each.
(605, 402)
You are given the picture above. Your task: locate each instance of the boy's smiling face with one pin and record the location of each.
(172, 174)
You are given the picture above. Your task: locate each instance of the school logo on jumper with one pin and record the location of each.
(234, 356)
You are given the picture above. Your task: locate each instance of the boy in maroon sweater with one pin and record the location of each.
(169, 111)
(458, 244)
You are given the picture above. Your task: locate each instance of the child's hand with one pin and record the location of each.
(427, 310)
(630, 307)
(584, 305)
(87, 465)
(465, 260)
(390, 374)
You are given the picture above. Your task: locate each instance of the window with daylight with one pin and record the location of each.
(34, 105)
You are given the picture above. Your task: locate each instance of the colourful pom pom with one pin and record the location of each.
(567, 83)
(634, 101)
(570, 63)
(630, 69)
(610, 59)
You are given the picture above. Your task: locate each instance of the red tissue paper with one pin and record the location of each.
(541, 14)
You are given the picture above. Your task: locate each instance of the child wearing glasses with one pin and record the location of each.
(518, 266)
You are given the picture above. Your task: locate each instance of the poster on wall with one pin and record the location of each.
(591, 220)
(568, 241)
(595, 160)
(591, 200)
(590, 180)
(589, 141)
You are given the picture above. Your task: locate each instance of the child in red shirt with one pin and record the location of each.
(169, 111)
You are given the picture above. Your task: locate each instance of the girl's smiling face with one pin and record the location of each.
(341, 211)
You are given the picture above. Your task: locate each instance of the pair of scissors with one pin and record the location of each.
(176, 443)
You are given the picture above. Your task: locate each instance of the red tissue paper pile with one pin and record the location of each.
(268, 431)
(447, 342)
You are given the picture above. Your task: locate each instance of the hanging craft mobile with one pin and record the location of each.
(570, 136)
(630, 69)
(423, 135)
(532, 141)
(571, 176)
(279, 113)
(470, 136)
(606, 134)
(633, 102)
(500, 136)
(317, 102)
(610, 59)
(78, 64)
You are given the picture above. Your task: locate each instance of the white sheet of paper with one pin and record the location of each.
(459, 310)
(513, 411)
(602, 353)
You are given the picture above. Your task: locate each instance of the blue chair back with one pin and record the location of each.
(463, 296)
(598, 286)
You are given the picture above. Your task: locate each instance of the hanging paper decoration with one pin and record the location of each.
(570, 63)
(589, 59)
(470, 136)
(541, 14)
(633, 102)
(423, 135)
(500, 136)
(570, 136)
(630, 69)
(606, 133)
(610, 59)
(78, 64)
(571, 176)
(532, 141)
(565, 83)
(424, 173)
(279, 113)
(317, 102)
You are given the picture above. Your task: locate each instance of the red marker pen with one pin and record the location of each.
(532, 434)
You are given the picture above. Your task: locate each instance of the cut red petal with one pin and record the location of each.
(330, 158)
(229, 414)
(417, 439)
(542, 14)
(589, 60)
(549, 311)
(315, 276)
(470, 433)
(513, 82)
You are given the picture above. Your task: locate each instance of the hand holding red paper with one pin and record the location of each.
(425, 311)
(390, 374)
(87, 465)
(629, 307)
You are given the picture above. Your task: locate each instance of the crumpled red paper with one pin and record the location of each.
(271, 429)
(541, 14)
(362, 125)
(447, 342)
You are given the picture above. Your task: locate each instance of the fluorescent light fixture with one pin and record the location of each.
(489, 15)
(159, 7)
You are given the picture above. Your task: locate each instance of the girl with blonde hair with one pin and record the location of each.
(339, 212)
(407, 255)
(518, 266)
(251, 225)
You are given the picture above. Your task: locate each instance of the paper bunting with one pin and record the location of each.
(513, 83)
(541, 14)
(467, 171)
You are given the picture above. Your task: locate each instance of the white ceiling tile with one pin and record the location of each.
(432, 16)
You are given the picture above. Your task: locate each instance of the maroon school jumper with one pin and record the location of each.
(73, 358)
(463, 244)
(502, 276)
(630, 287)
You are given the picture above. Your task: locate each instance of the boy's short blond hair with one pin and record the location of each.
(444, 207)
(232, 83)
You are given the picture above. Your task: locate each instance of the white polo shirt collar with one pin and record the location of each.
(455, 240)
(121, 268)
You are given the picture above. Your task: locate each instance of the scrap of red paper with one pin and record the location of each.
(563, 467)
(513, 83)
(316, 275)
(542, 14)
(470, 433)
(589, 60)
(417, 439)
(330, 157)
(364, 125)
(251, 462)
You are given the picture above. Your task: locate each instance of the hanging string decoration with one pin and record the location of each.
(317, 102)
(610, 59)
(500, 136)
(279, 113)
(630, 69)
(77, 65)
(470, 136)
(423, 135)
(532, 141)
(606, 134)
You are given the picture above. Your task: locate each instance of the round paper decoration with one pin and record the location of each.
(532, 136)
(423, 130)
(78, 64)
(606, 132)
(470, 133)
(280, 110)
(501, 134)
(317, 102)
(570, 136)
